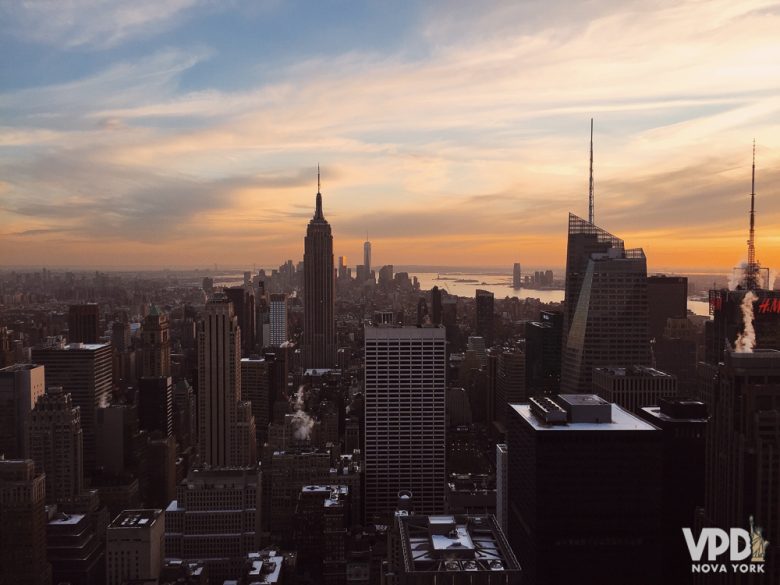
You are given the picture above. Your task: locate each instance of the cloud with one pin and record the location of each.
(479, 133)
(95, 24)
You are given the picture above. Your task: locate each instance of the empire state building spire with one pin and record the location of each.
(318, 209)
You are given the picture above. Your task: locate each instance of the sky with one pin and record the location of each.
(180, 133)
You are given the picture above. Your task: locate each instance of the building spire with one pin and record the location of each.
(751, 276)
(318, 209)
(590, 182)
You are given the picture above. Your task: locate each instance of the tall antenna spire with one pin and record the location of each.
(590, 183)
(318, 209)
(751, 274)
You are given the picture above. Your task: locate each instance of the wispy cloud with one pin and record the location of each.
(92, 23)
(480, 134)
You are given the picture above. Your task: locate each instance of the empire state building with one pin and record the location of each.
(319, 329)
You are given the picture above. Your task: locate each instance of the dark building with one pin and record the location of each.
(510, 380)
(84, 371)
(84, 323)
(584, 492)
(22, 524)
(727, 320)
(422, 311)
(633, 387)
(75, 551)
(322, 518)
(156, 344)
(605, 317)
(485, 315)
(243, 299)
(436, 305)
(742, 478)
(684, 426)
(543, 353)
(319, 327)
(155, 404)
(517, 276)
(667, 298)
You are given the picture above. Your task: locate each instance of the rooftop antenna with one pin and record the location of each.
(751, 274)
(318, 177)
(590, 183)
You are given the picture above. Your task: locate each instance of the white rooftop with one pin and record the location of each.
(622, 420)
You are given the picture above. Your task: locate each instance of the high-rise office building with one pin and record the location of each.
(156, 344)
(74, 549)
(342, 273)
(84, 371)
(135, 547)
(84, 323)
(436, 306)
(605, 317)
(543, 353)
(367, 256)
(584, 492)
(742, 476)
(255, 389)
(56, 444)
(633, 387)
(278, 319)
(322, 518)
(215, 519)
(243, 299)
(221, 416)
(319, 326)
(22, 524)
(404, 431)
(517, 276)
(510, 381)
(684, 426)
(485, 315)
(667, 298)
(20, 387)
(155, 404)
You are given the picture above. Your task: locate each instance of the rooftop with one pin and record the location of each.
(455, 543)
(632, 371)
(135, 518)
(621, 421)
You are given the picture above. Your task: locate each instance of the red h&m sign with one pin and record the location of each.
(769, 305)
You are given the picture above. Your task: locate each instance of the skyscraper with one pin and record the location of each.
(667, 298)
(436, 317)
(22, 524)
(584, 492)
(135, 547)
(255, 388)
(278, 319)
(243, 299)
(219, 385)
(404, 431)
(20, 387)
(156, 344)
(517, 276)
(84, 323)
(84, 371)
(742, 470)
(56, 444)
(319, 327)
(605, 317)
(367, 257)
(484, 312)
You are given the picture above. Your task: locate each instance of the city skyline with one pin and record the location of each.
(150, 136)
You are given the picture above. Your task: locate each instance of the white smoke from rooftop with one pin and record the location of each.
(746, 341)
(302, 423)
(736, 275)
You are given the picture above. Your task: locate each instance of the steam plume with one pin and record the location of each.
(302, 423)
(746, 341)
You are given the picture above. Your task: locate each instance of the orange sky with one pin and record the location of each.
(464, 142)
